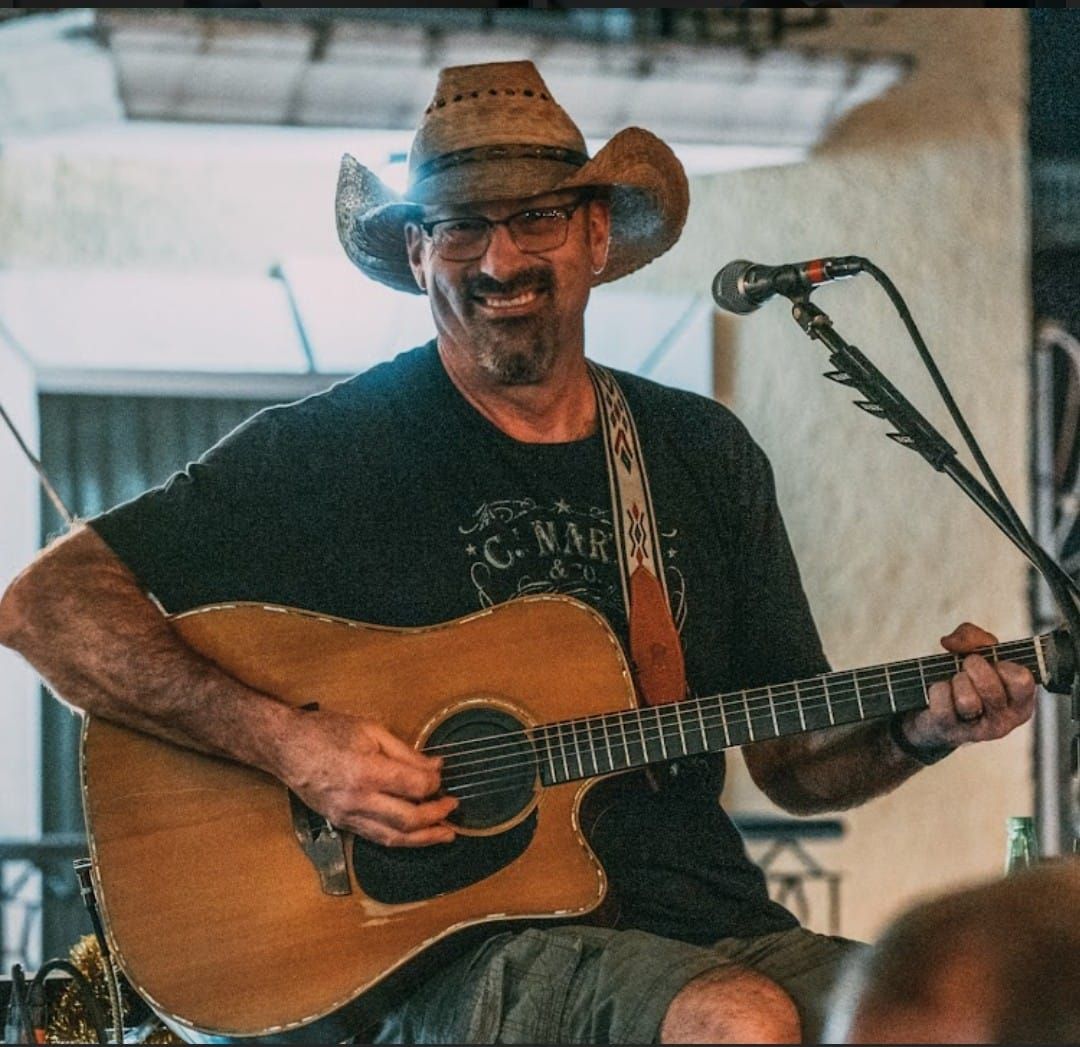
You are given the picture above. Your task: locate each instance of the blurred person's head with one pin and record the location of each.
(995, 963)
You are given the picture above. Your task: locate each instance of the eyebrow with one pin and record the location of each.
(460, 211)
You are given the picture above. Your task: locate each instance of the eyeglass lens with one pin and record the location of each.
(465, 239)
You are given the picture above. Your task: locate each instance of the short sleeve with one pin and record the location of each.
(218, 529)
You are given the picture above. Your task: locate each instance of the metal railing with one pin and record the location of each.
(41, 912)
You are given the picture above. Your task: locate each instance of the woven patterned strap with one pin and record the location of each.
(655, 649)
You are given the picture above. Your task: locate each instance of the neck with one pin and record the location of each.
(559, 409)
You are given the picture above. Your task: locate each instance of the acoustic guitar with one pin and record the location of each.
(239, 913)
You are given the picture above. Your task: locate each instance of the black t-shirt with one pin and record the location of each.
(389, 499)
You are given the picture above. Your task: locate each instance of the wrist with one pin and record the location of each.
(924, 754)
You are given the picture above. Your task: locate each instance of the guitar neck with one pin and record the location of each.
(584, 748)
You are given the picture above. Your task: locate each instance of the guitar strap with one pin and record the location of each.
(656, 652)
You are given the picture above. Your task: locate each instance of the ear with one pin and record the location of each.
(414, 245)
(599, 225)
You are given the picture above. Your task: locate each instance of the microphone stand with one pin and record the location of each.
(884, 400)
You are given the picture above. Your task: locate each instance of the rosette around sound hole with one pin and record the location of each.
(489, 763)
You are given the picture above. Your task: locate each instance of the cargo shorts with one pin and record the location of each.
(581, 984)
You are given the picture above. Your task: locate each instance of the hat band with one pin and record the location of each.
(486, 153)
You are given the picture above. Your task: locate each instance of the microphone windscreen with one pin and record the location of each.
(725, 288)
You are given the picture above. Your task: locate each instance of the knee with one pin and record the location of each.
(731, 1005)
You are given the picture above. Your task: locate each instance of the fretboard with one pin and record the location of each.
(583, 748)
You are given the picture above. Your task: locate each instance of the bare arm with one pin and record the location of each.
(846, 766)
(78, 615)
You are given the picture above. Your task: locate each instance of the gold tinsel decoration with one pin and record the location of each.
(68, 1020)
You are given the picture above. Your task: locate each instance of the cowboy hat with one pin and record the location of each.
(493, 132)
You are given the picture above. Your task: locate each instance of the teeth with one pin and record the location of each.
(506, 303)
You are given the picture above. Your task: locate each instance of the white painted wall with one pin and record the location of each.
(19, 527)
(930, 183)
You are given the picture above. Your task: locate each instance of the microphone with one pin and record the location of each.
(742, 286)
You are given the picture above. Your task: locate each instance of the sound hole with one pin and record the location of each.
(488, 763)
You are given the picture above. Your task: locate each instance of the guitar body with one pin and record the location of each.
(213, 909)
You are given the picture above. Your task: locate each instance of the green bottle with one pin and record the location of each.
(1022, 849)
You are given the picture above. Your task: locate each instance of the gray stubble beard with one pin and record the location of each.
(508, 365)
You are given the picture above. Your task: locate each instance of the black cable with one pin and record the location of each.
(86, 990)
(954, 411)
(1063, 587)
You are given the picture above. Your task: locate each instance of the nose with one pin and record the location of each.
(503, 258)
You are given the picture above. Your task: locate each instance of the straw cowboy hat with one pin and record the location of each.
(493, 132)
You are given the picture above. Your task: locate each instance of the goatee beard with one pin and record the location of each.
(517, 350)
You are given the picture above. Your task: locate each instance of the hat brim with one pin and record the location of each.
(646, 184)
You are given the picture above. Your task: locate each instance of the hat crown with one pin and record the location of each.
(494, 103)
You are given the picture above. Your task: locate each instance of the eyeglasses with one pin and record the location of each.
(533, 231)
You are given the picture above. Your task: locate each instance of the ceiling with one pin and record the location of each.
(326, 67)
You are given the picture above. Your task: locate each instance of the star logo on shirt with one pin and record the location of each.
(562, 506)
(470, 550)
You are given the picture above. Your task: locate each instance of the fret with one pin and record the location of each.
(678, 723)
(701, 727)
(798, 705)
(625, 743)
(816, 713)
(888, 687)
(762, 715)
(735, 718)
(723, 721)
(641, 732)
(607, 743)
(1040, 657)
(994, 653)
(922, 678)
(659, 715)
(876, 701)
(550, 754)
(842, 702)
(562, 753)
(590, 742)
(746, 706)
(574, 724)
(858, 697)
(786, 710)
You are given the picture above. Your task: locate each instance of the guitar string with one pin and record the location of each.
(669, 718)
(571, 749)
(861, 685)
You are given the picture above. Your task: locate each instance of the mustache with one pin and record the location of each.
(535, 279)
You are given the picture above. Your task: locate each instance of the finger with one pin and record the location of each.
(988, 684)
(377, 832)
(395, 747)
(967, 705)
(1019, 683)
(401, 779)
(408, 817)
(967, 637)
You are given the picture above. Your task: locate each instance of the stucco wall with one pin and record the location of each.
(930, 183)
(19, 738)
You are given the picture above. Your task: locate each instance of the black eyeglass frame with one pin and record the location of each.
(563, 210)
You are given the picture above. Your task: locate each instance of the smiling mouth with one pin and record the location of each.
(508, 303)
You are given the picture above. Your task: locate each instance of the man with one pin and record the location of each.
(462, 474)
(993, 963)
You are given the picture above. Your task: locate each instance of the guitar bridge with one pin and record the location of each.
(322, 843)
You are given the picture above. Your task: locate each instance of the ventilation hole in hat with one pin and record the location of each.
(492, 91)
(527, 93)
(475, 94)
(458, 98)
(441, 102)
(544, 96)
